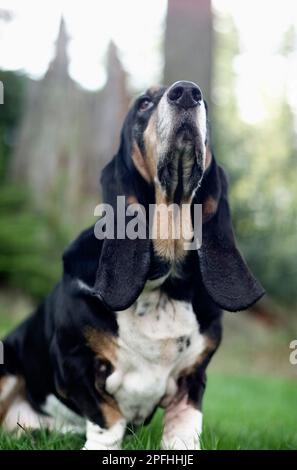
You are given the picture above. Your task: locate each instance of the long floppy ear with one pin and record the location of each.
(124, 263)
(115, 271)
(225, 274)
(122, 272)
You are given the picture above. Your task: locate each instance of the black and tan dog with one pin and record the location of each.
(133, 324)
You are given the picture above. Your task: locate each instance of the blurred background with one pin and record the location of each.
(70, 70)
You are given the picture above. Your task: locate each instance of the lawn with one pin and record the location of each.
(239, 413)
(244, 407)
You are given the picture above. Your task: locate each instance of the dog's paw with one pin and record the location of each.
(180, 443)
(94, 445)
(104, 439)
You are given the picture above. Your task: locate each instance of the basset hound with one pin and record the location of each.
(134, 321)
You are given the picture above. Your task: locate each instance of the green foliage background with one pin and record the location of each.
(261, 163)
(31, 242)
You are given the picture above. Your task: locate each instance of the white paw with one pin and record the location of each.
(94, 445)
(181, 443)
(104, 439)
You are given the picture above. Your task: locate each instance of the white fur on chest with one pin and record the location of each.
(158, 338)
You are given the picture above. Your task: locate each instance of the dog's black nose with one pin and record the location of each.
(184, 94)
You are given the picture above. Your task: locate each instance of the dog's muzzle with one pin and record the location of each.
(181, 141)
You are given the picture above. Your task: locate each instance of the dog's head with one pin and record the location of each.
(165, 137)
(164, 157)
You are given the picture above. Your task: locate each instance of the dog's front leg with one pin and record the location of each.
(98, 438)
(182, 426)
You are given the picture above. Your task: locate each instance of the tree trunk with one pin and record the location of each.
(188, 43)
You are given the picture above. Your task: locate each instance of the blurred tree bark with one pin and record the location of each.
(189, 43)
(68, 134)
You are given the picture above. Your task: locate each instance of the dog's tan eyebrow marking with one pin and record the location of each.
(154, 89)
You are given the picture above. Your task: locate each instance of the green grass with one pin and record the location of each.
(250, 413)
(239, 413)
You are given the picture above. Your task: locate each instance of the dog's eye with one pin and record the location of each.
(145, 104)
